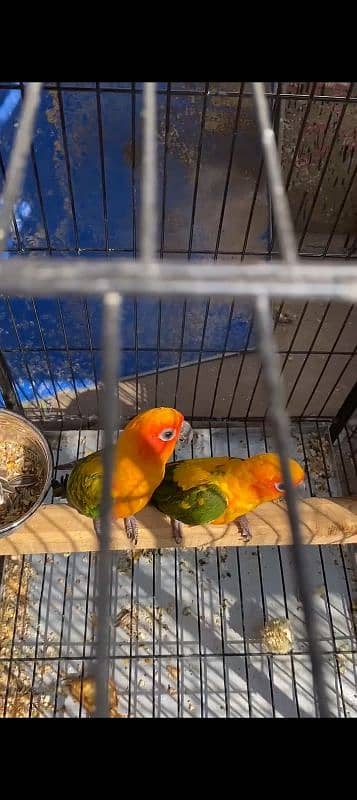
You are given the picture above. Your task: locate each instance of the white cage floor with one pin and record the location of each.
(185, 628)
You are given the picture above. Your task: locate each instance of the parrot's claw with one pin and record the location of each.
(177, 531)
(131, 529)
(244, 529)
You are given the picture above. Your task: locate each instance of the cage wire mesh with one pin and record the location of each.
(183, 637)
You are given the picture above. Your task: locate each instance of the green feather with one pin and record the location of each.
(84, 491)
(196, 506)
(83, 487)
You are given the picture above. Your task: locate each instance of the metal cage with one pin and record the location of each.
(290, 302)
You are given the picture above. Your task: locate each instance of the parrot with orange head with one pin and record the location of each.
(140, 455)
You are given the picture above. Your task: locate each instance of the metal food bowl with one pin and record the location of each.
(15, 429)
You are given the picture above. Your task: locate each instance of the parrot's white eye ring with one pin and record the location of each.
(167, 435)
(280, 487)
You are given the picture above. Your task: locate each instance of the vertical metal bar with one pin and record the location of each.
(75, 228)
(343, 415)
(134, 222)
(111, 350)
(270, 365)
(339, 376)
(326, 163)
(12, 190)
(240, 589)
(243, 254)
(18, 159)
(280, 424)
(149, 210)
(283, 219)
(164, 177)
(7, 387)
(102, 167)
(221, 613)
(286, 608)
(262, 594)
(229, 171)
(300, 135)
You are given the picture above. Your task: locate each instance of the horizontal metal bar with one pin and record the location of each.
(41, 277)
(82, 251)
(323, 98)
(213, 351)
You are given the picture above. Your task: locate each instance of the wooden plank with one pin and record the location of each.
(60, 529)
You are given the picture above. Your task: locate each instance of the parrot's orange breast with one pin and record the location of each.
(133, 485)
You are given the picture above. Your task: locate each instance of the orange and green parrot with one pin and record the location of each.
(140, 456)
(220, 490)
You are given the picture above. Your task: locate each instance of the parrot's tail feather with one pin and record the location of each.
(59, 488)
(177, 531)
(131, 529)
(244, 529)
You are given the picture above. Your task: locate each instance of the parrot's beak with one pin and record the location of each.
(186, 433)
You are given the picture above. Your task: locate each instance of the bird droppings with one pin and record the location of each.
(172, 671)
(15, 615)
(320, 592)
(127, 558)
(139, 622)
(342, 658)
(184, 565)
(277, 637)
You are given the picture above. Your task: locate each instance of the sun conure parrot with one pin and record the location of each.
(220, 490)
(140, 455)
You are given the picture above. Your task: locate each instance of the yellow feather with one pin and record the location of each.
(244, 483)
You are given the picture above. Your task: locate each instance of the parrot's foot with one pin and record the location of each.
(244, 529)
(177, 531)
(131, 529)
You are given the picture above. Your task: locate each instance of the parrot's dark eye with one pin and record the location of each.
(280, 487)
(167, 435)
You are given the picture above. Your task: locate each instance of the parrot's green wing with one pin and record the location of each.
(84, 485)
(196, 506)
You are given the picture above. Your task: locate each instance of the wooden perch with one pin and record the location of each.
(60, 529)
